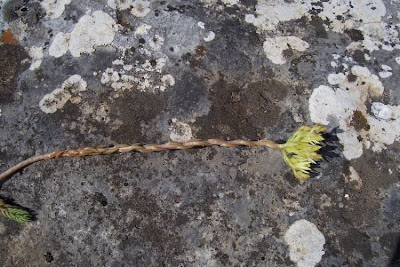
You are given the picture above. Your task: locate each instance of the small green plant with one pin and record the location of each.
(15, 213)
(299, 152)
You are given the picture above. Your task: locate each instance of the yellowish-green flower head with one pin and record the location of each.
(301, 150)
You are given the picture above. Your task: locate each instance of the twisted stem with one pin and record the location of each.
(147, 148)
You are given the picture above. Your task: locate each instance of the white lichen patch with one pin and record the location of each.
(167, 81)
(381, 111)
(118, 62)
(306, 243)
(180, 131)
(365, 16)
(384, 127)
(274, 47)
(339, 61)
(230, 2)
(354, 178)
(385, 39)
(270, 13)
(386, 71)
(127, 67)
(365, 12)
(90, 32)
(140, 8)
(156, 42)
(116, 80)
(109, 75)
(142, 29)
(326, 102)
(36, 54)
(54, 101)
(144, 77)
(54, 8)
(120, 4)
(201, 25)
(346, 103)
(70, 91)
(209, 36)
(60, 45)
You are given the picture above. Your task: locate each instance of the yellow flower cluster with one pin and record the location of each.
(301, 150)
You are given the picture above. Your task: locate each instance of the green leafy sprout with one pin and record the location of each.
(14, 213)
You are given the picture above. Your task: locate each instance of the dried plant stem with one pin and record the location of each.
(23, 164)
(92, 151)
(300, 151)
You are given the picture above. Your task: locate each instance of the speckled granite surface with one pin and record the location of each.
(87, 73)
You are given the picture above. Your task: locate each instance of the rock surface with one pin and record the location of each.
(90, 73)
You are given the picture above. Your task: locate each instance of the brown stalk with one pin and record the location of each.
(147, 148)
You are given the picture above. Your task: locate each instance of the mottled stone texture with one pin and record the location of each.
(203, 207)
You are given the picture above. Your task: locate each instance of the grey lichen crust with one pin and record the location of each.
(90, 73)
